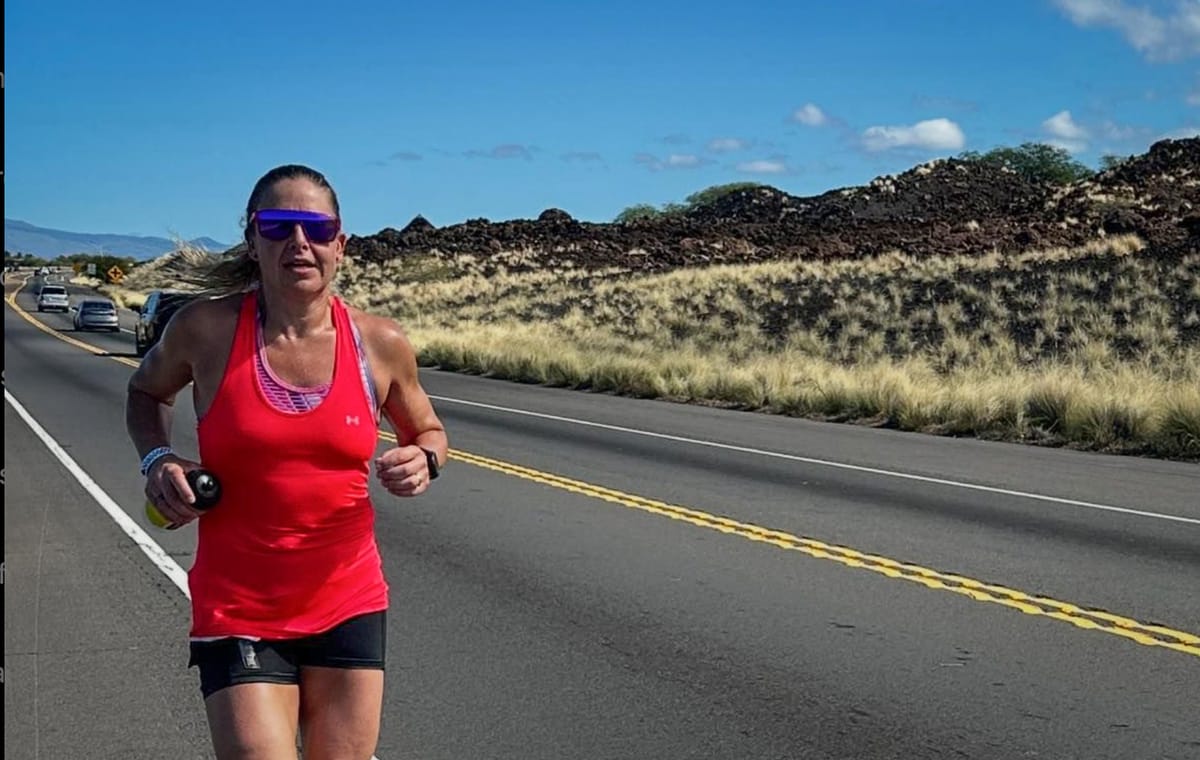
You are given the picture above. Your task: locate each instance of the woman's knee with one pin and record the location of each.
(328, 740)
(254, 721)
(340, 749)
(255, 746)
(341, 711)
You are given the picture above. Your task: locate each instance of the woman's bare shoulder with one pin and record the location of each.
(193, 347)
(206, 307)
(206, 317)
(383, 335)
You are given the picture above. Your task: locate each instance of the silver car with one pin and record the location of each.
(53, 298)
(96, 314)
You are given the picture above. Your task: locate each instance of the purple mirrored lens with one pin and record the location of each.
(290, 215)
(278, 225)
(274, 230)
(322, 231)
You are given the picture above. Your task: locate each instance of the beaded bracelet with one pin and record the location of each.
(154, 455)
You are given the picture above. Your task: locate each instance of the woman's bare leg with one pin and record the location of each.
(254, 721)
(340, 712)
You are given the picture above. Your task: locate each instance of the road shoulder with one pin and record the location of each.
(95, 660)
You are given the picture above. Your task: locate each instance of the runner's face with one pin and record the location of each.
(299, 261)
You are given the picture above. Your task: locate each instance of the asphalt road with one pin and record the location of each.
(600, 577)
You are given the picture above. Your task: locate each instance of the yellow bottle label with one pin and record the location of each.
(155, 517)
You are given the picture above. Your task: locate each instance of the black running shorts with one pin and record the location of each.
(359, 642)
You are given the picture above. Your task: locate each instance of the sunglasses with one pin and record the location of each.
(278, 224)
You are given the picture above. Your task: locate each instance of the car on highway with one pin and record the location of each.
(158, 309)
(96, 314)
(53, 298)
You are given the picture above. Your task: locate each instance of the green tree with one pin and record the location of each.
(692, 202)
(1035, 161)
(18, 259)
(638, 211)
(1110, 161)
(710, 194)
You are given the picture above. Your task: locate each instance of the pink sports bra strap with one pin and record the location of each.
(291, 398)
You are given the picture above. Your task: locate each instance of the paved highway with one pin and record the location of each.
(601, 577)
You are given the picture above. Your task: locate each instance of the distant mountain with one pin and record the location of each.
(22, 237)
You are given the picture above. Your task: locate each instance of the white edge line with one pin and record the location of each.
(148, 545)
(827, 463)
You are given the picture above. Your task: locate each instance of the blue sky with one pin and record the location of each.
(157, 118)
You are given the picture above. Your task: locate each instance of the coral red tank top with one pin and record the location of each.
(290, 550)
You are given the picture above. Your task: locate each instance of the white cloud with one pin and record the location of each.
(507, 150)
(1062, 125)
(762, 167)
(1182, 133)
(673, 161)
(810, 115)
(727, 144)
(1065, 133)
(1070, 146)
(1159, 38)
(1193, 97)
(932, 134)
(582, 155)
(1113, 131)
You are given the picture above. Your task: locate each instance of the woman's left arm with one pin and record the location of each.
(404, 469)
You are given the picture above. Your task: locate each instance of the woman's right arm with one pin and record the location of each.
(165, 370)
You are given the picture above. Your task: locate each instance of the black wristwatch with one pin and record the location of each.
(431, 460)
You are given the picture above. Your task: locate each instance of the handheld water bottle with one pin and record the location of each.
(204, 485)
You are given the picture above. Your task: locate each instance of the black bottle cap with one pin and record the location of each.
(206, 487)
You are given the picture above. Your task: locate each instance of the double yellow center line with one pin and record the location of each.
(1095, 620)
(1080, 617)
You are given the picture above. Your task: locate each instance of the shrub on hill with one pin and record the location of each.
(1038, 162)
(696, 200)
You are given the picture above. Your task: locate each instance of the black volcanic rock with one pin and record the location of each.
(948, 206)
(555, 215)
(418, 226)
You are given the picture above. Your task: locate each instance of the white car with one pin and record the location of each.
(53, 298)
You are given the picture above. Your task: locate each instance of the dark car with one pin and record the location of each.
(158, 309)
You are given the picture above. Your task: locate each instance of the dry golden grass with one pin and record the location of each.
(1096, 347)
(174, 271)
(170, 271)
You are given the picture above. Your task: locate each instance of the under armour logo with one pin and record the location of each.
(351, 420)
